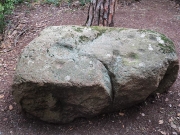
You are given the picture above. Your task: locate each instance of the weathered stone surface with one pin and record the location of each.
(72, 71)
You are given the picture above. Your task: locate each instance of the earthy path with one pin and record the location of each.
(156, 116)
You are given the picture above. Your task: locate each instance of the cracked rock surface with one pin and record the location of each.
(72, 71)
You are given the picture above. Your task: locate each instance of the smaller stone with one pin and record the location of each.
(174, 133)
(173, 125)
(166, 99)
(10, 107)
(1, 96)
(178, 114)
(161, 122)
(121, 114)
(162, 132)
(142, 114)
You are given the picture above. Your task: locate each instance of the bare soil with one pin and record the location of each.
(158, 115)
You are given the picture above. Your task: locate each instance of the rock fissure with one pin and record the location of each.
(112, 77)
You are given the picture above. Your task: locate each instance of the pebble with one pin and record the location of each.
(1, 96)
(173, 125)
(10, 107)
(161, 121)
(121, 114)
(142, 114)
(174, 133)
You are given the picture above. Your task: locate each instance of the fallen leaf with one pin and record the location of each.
(173, 125)
(121, 114)
(1, 96)
(142, 114)
(157, 95)
(162, 132)
(10, 107)
(161, 121)
(174, 133)
(166, 99)
(71, 129)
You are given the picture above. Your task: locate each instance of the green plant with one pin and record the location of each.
(83, 2)
(55, 2)
(6, 7)
(18, 1)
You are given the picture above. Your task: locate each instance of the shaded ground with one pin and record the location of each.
(156, 116)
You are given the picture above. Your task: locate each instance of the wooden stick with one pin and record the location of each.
(16, 39)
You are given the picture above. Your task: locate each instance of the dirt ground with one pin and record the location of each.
(158, 115)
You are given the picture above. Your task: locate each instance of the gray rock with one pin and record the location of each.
(71, 71)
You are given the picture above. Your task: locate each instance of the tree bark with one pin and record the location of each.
(101, 13)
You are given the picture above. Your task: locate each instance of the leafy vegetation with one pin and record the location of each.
(55, 2)
(6, 7)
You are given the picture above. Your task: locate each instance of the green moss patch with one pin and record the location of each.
(78, 29)
(83, 39)
(101, 30)
(168, 47)
(133, 55)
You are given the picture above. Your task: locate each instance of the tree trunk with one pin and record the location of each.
(101, 13)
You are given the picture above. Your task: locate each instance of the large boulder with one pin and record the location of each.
(72, 71)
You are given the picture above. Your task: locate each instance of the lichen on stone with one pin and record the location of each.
(83, 39)
(78, 29)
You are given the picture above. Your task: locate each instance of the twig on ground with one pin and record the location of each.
(16, 39)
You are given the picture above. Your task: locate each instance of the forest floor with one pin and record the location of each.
(158, 115)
